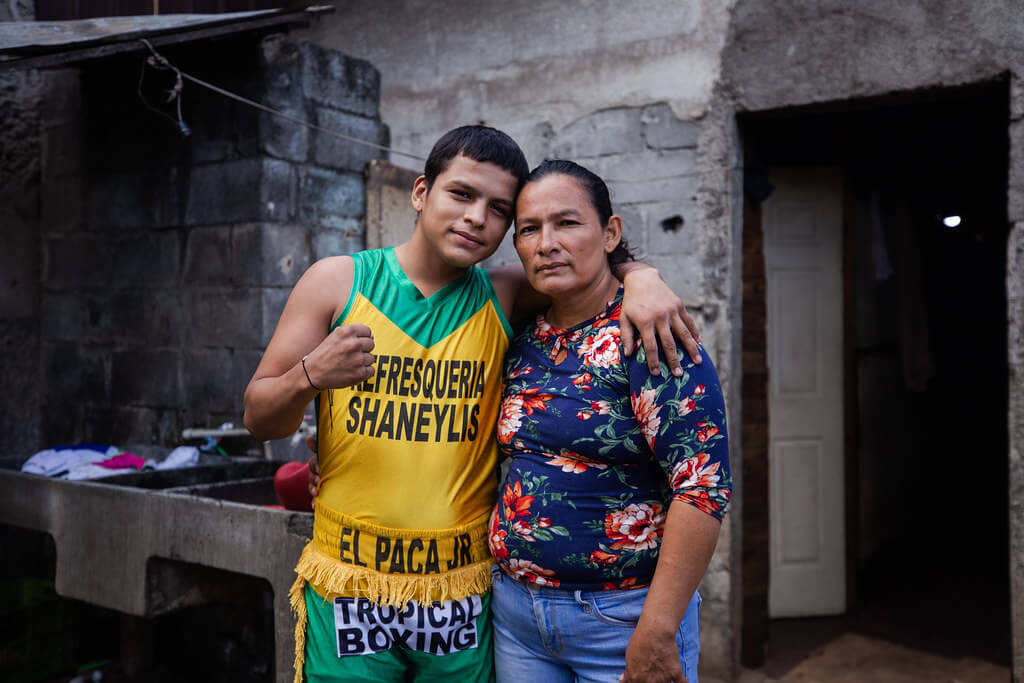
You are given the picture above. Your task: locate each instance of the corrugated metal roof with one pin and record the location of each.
(32, 37)
(40, 44)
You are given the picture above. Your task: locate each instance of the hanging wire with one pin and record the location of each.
(172, 94)
(163, 62)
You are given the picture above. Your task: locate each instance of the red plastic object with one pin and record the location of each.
(291, 484)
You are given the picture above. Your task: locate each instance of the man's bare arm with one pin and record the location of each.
(519, 301)
(279, 390)
(652, 309)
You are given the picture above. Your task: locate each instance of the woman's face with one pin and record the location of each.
(559, 236)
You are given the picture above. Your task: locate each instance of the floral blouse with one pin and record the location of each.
(598, 450)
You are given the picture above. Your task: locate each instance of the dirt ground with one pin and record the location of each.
(854, 658)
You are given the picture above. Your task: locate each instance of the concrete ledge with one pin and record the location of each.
(111, 538)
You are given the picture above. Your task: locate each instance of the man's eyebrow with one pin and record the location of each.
(463, 184)
(470, 188)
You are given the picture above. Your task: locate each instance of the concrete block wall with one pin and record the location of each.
(647, 156)
(167, 260)
(20, 214)
(1015, 347)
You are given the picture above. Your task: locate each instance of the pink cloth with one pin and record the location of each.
(121, 461)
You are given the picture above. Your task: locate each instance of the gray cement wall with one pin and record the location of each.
(1015, 310)
(528, 67)
(17, 10)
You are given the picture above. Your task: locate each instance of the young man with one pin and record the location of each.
(402, 348)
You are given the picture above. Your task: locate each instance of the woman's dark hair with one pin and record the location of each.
(595, 189)
(479, 143)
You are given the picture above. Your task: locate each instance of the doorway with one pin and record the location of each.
(923, 368)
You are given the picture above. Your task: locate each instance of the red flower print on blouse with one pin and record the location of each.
(533, 400)
(702, 500)
(596, 408)
(543, 329)
(496, 542)
(699, 390)
(687, 406)
(583, 381)
(704, 434)
(522, 371)
(558, 353)
(516, 504)
(625, 584)
(575, 463)
(602, 558)
(646, 411)
(695, 472)
(511, 418)
(602, 349)
(637, 527)
(524, 570)
(523, 530)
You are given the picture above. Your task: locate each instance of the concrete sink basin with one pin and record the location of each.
(139, 542)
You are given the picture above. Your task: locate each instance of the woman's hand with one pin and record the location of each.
(652, 656)
(652, 309)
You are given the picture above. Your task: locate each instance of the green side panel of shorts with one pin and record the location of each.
(323, 665)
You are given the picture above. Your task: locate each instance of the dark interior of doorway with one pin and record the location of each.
(927, 504)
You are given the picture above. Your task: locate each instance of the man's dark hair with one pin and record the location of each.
(595, 189)
(479, 143)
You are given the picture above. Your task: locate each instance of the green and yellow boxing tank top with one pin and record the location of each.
(407, 458)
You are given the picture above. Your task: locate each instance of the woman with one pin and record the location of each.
(617, 479)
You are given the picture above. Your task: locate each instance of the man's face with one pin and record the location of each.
(465, 214)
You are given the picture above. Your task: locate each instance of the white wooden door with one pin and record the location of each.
(803, 266)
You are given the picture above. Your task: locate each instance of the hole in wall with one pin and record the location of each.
(673, 223)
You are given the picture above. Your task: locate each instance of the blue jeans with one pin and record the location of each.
(554, 635)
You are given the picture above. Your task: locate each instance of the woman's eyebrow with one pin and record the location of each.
(564, 213)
